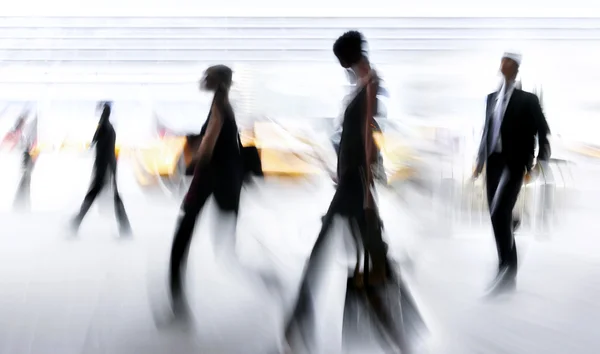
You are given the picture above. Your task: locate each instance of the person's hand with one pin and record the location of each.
(533, 173)
(476, 173)
(528, 177)
(537, 169)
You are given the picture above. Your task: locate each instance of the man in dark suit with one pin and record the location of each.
(105, 169)
(513, 120)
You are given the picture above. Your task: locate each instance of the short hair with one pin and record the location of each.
(222, 74)
(106, 107)
(349, 47)
(104, 104)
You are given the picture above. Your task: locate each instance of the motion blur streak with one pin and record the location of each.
(101, 294)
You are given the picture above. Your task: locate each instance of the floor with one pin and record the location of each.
(97, 293)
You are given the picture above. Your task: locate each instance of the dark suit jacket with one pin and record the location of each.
(104, 140)
(523, 121)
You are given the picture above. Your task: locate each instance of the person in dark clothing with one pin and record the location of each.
(513, 120)
(250, 156)
(219, 172)
(354, 202)
(105, 169)
(26, 140)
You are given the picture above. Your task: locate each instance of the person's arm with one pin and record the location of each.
(368, 133)
(543, 131)
(103, 118)
(96, 136)
(209, 140)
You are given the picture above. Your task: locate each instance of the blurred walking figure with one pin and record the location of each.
(26, 137)
(513, 119)
(105, 170)
(377, 283)
(219, 171)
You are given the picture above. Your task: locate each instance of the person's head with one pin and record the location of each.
(217, 78)
(509, 66)
(104, 107)
(349, 48)
(100, 106)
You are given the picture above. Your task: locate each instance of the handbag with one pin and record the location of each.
(251, 160)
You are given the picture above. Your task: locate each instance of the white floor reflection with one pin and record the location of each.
(98, 294)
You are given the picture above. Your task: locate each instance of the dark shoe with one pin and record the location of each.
(125, 231)
(505, 282)
(516, 224)
(180, 307)
(177, 296)
(73, 226)
(378, 275)
(505, 287)
(180, 319)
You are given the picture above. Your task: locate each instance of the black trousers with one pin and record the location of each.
(345, 203)
(504, 183)
(104, 171)
(202, 187)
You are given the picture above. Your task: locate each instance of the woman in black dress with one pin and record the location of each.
(354, 201)
(218, 172)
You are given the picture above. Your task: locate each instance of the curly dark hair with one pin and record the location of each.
(349, 48)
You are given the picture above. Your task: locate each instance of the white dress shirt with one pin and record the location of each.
(502, 100)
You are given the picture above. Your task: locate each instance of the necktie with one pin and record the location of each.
(495, 142)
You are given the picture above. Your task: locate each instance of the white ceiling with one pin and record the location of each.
(512, 8)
